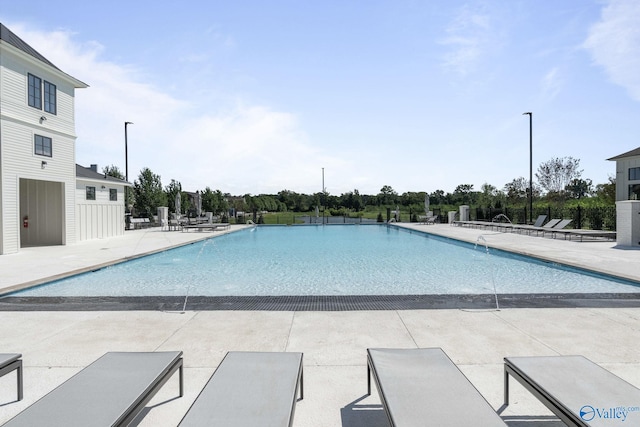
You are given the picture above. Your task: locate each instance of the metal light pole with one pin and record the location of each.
(126, 174)
(126, 153)
(322, 200)
(530, 114)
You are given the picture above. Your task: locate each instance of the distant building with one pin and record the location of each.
(627, 175)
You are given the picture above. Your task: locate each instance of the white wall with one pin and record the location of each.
(18, 124)
(622, 176)
(100, 218)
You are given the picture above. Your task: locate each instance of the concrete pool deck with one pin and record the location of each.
(57, 344)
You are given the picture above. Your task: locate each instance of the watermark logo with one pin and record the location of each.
(587, 412)
(614, 413)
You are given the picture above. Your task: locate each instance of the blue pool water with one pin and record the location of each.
(330, 260)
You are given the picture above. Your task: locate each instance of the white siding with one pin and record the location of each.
(18, 124)
(100, 218)
(622, 176)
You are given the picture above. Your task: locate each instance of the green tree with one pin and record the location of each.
(607, 192)
(490, 196)
(387, 196)
(412, 198)
(148, 193)
(113, 171)
(579, 188)
(464, 194)
(172, 189)
(351, 200)
(296, 202)
(439, 197)
(517, 190)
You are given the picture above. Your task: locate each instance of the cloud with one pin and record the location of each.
(240, 149)
(468, 37)
(614, 44)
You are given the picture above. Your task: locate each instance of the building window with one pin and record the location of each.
(50, 97)
(634, 174)
(36, 89)
(634, 192)
(42, 146)
(113, 195)
(35, 92)
(91, 193)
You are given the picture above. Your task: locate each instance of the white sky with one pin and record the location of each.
(257, 97)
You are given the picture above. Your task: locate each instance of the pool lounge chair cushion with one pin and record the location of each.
(539, 221)
(424, 387)
(111, 391)
(578, 391)
(249, 389)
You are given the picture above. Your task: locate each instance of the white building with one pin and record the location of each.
(627, 175)
(100, 204)
(37, 149)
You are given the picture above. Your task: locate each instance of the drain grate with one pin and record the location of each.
(318, 303)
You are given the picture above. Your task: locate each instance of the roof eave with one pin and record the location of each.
(78, 84)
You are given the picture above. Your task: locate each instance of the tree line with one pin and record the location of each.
(559, 180)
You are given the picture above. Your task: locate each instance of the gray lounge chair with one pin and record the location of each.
(515, 227)
(574, 388)
(11, 362)
(582, 234)
(249, 389)
(424, 387)
(111, 391)
(531, 228)
(559, 226)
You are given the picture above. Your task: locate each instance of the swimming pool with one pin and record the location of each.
(330, 260)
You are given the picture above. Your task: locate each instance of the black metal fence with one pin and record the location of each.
(308, 219)
(600, 218)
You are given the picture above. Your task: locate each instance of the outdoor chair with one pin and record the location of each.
(424, 387)
(111, 391)
(539, 221)
(559, 226)
(250, 389)
(10, 362)
(531, 228)
(428, 219)
(575, 389)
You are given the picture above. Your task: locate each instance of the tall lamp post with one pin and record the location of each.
(530, 114)
(126, 171)
(126, 153)
(322, 196)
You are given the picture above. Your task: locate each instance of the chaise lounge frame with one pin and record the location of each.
(10, 362)
(112, 391)
(570, 386)
(422, 385)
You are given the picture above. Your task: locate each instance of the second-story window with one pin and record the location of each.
(41, 89)
(42, 146)
(49, 97)
(113, 195)
(634, 174)
(35, 92)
